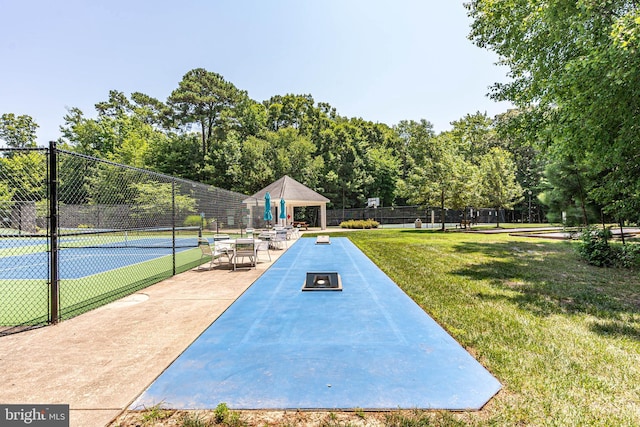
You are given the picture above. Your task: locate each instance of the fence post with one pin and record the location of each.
(53, 233)
(173, 223)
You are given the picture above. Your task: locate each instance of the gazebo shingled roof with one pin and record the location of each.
(288, 189)
(294, 194)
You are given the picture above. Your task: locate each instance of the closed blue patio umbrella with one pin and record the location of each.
(267, 207)
(283, 212)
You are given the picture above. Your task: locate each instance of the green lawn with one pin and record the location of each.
(561, 336)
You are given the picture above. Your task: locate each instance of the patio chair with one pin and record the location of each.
(292, 232)
(214, 253)
(262, 246)
(223, 246)
(280, 239)
(217, 237)
(244, 248)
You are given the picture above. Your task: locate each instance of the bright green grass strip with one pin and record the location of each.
(561, 336)
(81, 295)
(23, 302)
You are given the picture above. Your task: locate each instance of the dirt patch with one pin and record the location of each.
(171, 418)
(296, 418)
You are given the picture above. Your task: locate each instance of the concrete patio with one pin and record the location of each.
(99, 362)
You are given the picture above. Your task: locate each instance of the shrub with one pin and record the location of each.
(596, 249)
(629, 255)
(193, 221)
(221, 413)
(360, 224)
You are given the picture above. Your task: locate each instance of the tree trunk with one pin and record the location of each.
(497, 217)
(442, 212)
(584, 209)
(204, 138)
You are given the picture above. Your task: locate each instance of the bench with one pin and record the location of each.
(466, 222)
(300, 224)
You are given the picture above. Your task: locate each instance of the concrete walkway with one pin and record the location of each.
(99, 362)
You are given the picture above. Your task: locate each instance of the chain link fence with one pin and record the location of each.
(405, 216)
(77, 232)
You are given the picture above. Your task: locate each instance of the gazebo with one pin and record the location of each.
(294, 195)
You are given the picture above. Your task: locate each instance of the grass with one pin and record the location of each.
(155, 414)
(563, 337)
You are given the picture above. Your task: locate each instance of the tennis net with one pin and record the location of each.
(140, 238)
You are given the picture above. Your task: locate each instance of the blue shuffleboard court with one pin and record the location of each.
(368, 346)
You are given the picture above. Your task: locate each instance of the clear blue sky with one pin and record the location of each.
(384, 61)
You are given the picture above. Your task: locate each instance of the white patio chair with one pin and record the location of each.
(262, 246)
(280, 239)
(213, 252)
(292, 232)
(244, 248)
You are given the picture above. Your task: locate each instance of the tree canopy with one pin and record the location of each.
(574, 69)
(571, 66)
(18, 131)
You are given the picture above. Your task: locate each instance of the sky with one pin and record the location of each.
(383, 61)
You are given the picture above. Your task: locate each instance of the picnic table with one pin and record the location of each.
(300, 224)
(465, 222)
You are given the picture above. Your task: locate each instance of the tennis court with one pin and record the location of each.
(367, 346)
(60, 252)
(94, 268)
(76, 263)
(83, 260)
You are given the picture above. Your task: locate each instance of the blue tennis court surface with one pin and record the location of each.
(368, 346)
(77, 263)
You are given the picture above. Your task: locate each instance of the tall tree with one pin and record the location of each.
(408, 148)
(512, 127)
(24, 173)
(152, 111)
(204, 98)
(296, 111)
(177, 155)
(18, 131)
(433, 181)
(87, 136)
(255, 168)
(573, 68)
(498, 184)
(566, 184)
(475, 135)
